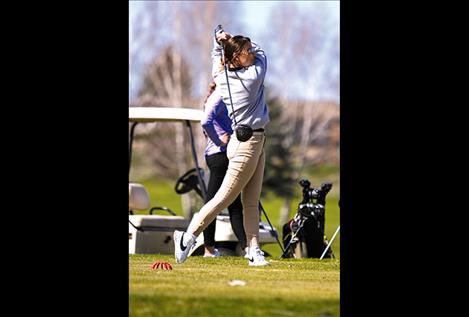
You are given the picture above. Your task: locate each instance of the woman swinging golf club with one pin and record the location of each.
(239, 68)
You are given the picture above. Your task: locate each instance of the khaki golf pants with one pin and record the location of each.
(244, 175)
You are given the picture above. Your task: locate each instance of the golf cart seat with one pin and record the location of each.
(151, 233)
(140, 200)
(138, 197)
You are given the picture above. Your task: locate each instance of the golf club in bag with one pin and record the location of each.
(304, 234)
(330, 243)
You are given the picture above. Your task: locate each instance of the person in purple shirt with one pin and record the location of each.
(217, 129)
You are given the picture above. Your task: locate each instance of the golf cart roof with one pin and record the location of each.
(151, 114)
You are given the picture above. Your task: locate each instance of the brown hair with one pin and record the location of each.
(211, 88)
(234, 46)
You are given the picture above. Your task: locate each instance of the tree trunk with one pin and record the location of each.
(186, 202)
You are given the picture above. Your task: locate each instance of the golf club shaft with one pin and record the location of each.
(271, 227)
(330, 242)
(291, 239)
(227, 81)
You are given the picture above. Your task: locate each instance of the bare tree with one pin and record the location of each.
(163, 86)
(302, 48)
(184, 63)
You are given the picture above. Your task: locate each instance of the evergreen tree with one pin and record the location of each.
(279, 168)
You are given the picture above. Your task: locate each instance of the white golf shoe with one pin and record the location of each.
(183, 242)
(256, 257)
(215, 254)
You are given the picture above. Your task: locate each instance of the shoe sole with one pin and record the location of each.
(267, 264)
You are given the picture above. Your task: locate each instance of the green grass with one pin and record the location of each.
(199, 287)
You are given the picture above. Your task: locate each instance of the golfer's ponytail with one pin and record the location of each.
(211, 89)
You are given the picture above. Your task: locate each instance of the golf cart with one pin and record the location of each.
(154, 233)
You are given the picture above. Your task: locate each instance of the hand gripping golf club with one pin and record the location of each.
(243, 131)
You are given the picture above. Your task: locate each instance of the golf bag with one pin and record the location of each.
(303, 236)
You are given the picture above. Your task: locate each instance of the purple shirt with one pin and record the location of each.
(215, 123)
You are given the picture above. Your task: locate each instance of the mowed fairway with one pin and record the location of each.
(200, 287)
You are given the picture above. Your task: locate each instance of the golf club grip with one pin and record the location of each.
(227, 81)
(217, 29)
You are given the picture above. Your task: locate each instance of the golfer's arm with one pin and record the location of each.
(216, 58)
(259, 68)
